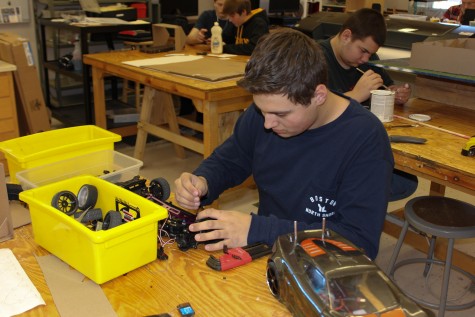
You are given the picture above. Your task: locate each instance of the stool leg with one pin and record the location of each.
(445, 282)
(392, 261)
(430, 255)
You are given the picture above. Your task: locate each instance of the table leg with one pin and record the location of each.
(223, 115)
(162, 102)
(436, 189)
(166, 101)
(99, 98)
(145, 114)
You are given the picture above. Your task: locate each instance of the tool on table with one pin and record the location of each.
(406, 139)
(434, 127)
(383, 85)
(324, 222)
(238, 256)
(185, 310)
(391, 126)
(469, 149)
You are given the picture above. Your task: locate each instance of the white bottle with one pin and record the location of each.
(77, 56)
(216, 39)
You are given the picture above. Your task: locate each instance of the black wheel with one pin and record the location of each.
(87, 197)
(272, 280)
(65, 201)
(112, 219)
(90, 215)
(159, 188)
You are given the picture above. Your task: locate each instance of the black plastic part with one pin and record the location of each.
(406, 139)
(470, 152)
(214, 263)
(258, 250)
(161, 255)
(14, 191)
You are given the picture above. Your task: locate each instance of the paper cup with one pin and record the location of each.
(382, 104)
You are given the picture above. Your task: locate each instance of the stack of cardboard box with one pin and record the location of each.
(32, 111)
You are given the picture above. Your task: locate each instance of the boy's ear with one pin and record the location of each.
(321, 92)
(346, 35)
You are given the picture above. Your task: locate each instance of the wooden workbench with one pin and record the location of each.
(439, 160)
(220, 102)
(160, 286)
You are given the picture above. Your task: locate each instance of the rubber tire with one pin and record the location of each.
(94, 214)
(272, 279)
(112, 219)
(159, 188)
(65, 201)
(87, 196)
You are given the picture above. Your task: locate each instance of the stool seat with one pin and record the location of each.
(438, 217)
(441, 216)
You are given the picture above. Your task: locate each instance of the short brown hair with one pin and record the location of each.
(286, 62)
(236, 6)
(366, 22)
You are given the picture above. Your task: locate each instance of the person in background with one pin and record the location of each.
(455, 13)
(247, 26)
(347, 55)
(201, 31)
(313, 154)
(200, 34)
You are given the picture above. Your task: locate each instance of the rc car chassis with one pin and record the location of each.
(178, 220)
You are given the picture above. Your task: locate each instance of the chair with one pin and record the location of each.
(443, 217)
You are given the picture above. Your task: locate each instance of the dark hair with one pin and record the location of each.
(285, 62)
(236, 6)
(366, 22)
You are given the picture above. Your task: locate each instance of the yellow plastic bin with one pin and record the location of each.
(100, 255)
(55, 145)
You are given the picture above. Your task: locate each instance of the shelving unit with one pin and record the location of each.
(68, 92)
(349, 5)
(55, 7)
(49, 65)
(334, 5)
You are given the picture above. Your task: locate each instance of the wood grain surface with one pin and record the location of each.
(439, 159)
(158, 287)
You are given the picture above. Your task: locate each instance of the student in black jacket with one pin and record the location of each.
(246, 27)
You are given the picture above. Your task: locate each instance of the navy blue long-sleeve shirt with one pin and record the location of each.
(340, 171)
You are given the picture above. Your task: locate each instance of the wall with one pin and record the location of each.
(397, 4)
(205, 5)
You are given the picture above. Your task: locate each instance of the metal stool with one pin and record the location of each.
(438, 217)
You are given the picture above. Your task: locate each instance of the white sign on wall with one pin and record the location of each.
(14, 11)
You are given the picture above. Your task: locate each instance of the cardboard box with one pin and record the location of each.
(31, 105)
(454, 56)
(450, 92)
